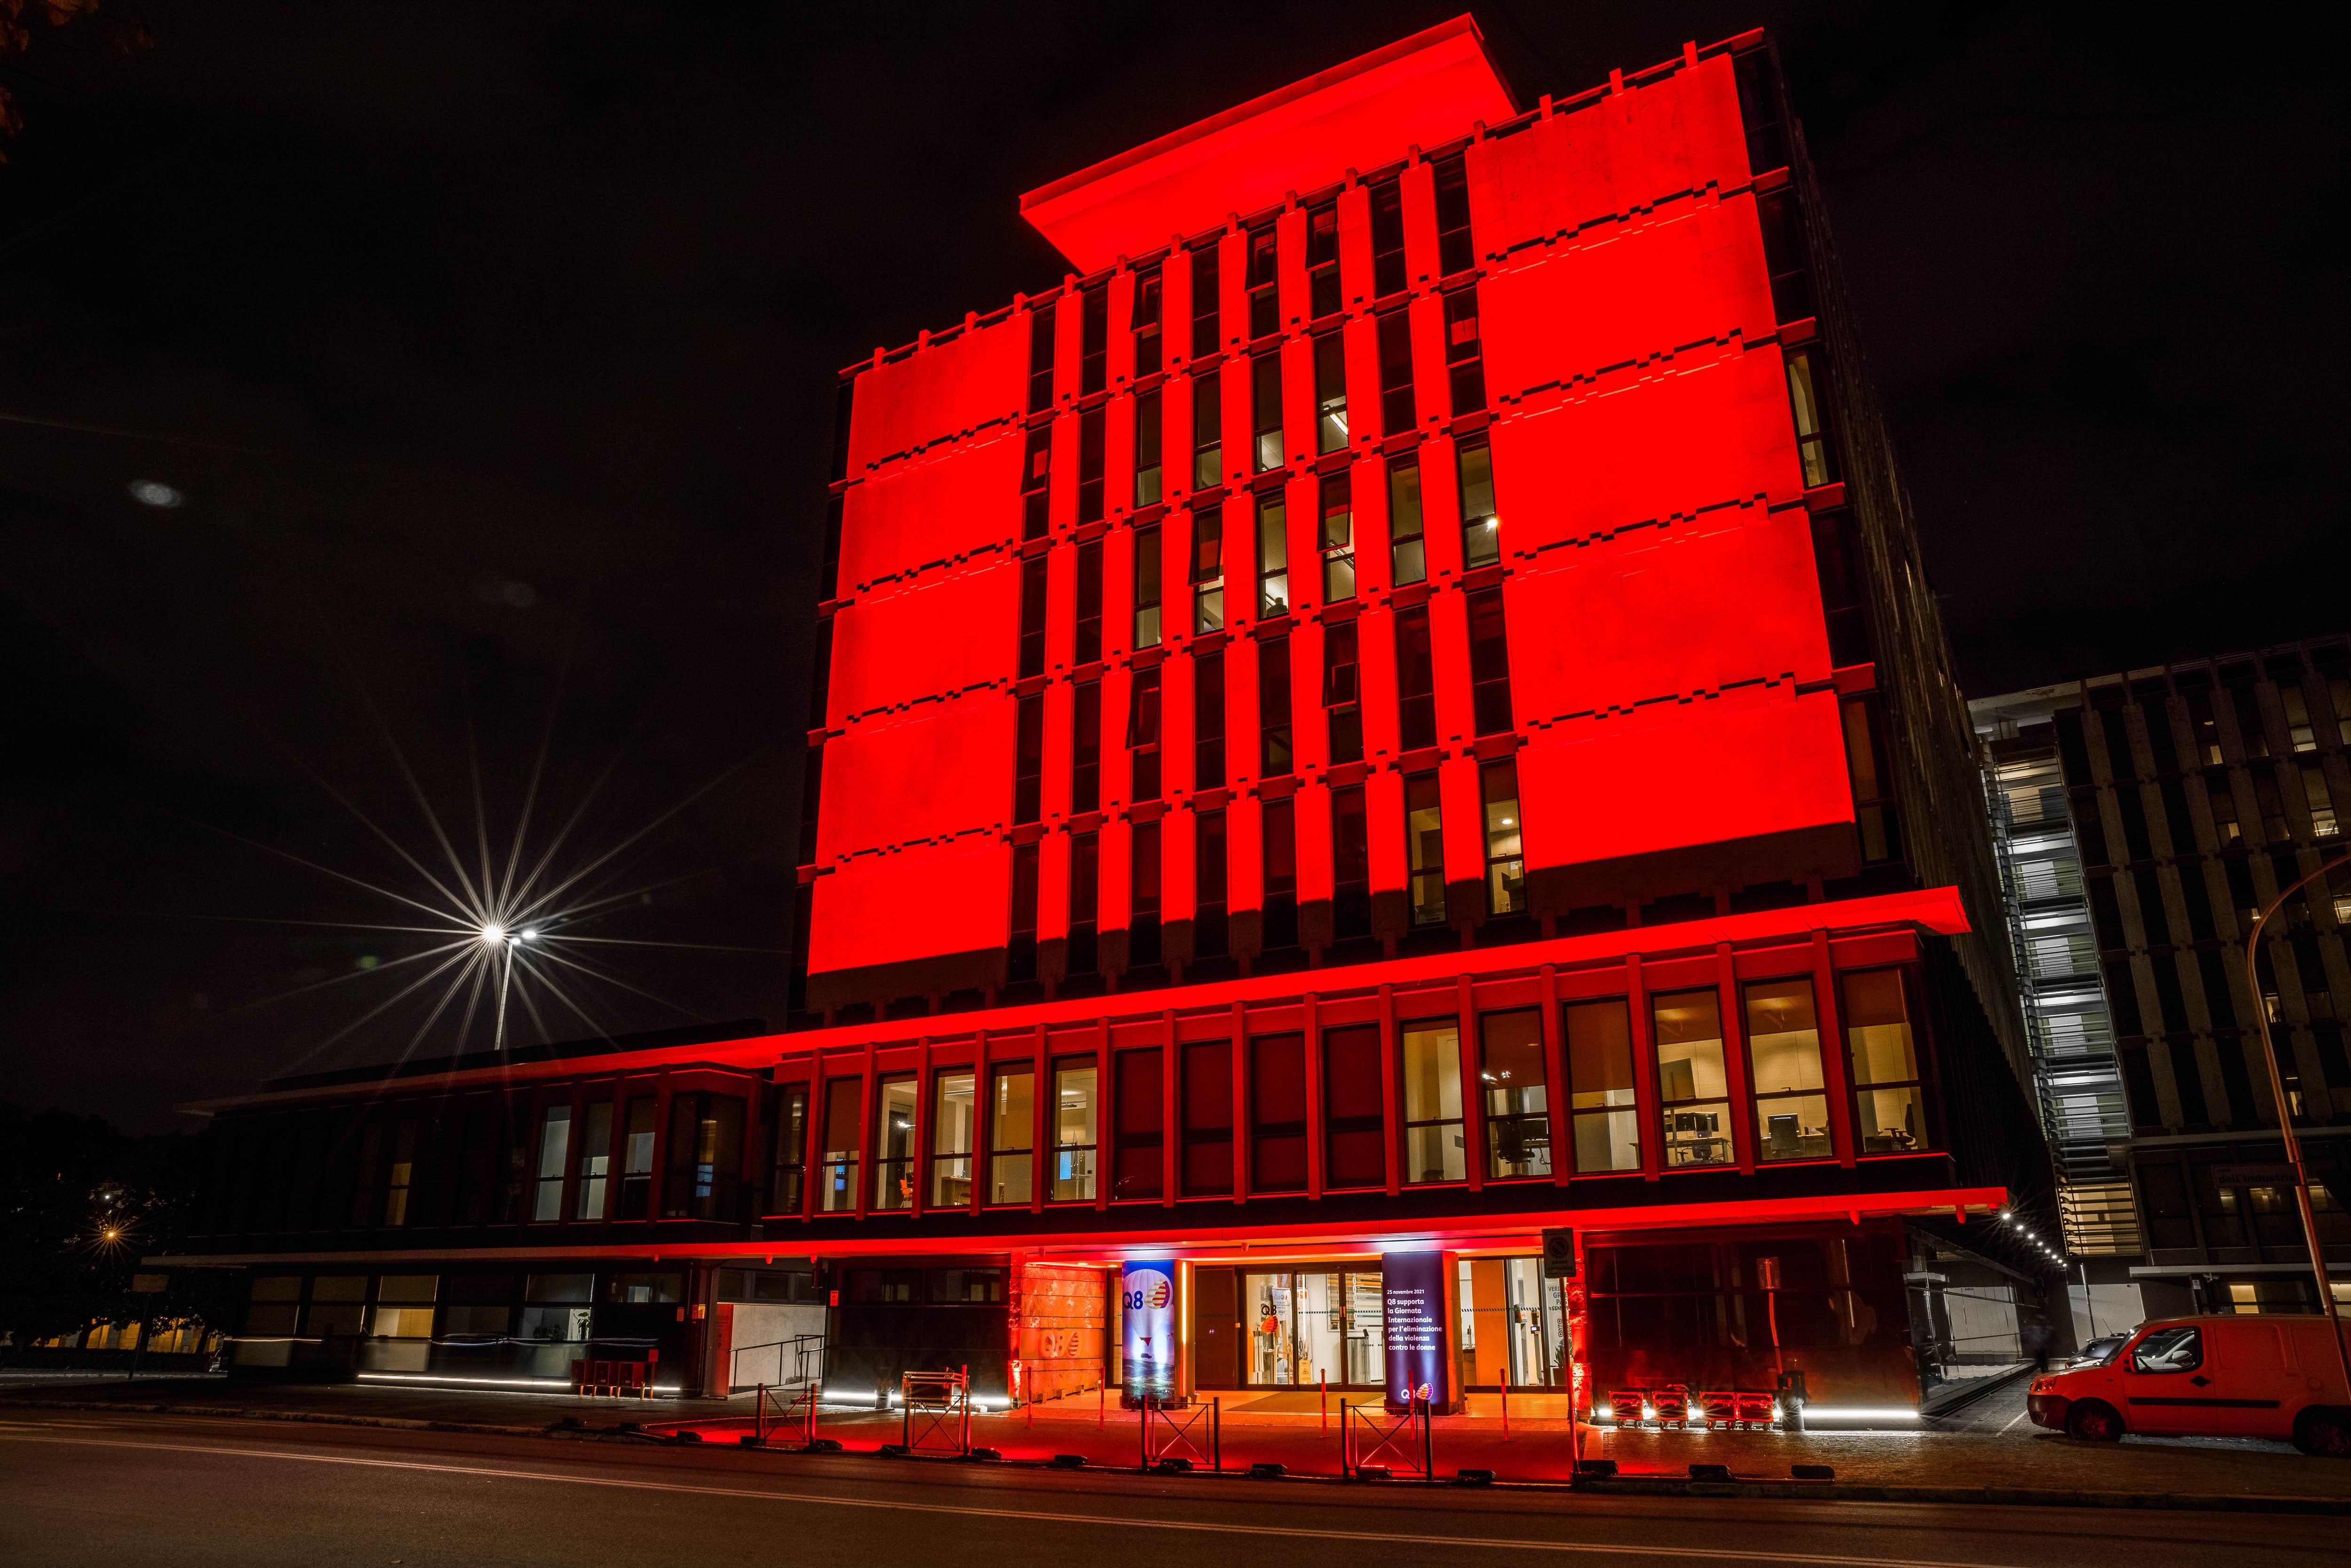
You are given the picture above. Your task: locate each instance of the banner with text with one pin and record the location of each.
(1146, 1303)
(1412, 1311)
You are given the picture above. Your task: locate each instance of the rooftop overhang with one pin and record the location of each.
(1420, 91)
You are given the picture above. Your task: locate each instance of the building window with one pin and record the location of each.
(894, 1100)
(1783, 1058)
(637, 1158)
(1145, 322)
(812, 796)
(1889, 1106)
(1020, 952)
(1036, 484)
(1272, 555)
(1454, 251)
(595, 1162)
(1265, 409)
(1277, 1113)
(2272, 806)
(1342, 692)
(1482, 530)
(788, 1188)
(1273, 708)
(1465, 354)
(1207, 721)
(1028, 757)
(1330, 392)
(1074, 1088)
(1205, 330)
(1264, 282)
(2299, 735)
(1435, 1145)
(1138, 1127)
(838, 1194)
(1142, 946)
(1489, 664)
(1334, 499)
(1518, 1109)
(829, 574)
(1211, 937)
(1090, 465)
(1150, 442)
(554, 1155)
(1873, 790)
(1350, 865)
(1409, 553)
(1094, 339)
(1424, 838)
(1397, 413)
(1416, 681)
(1041, 358)
(1322, 261)
(1804, 401)
(1146, 588)
(1693, 1090)
(1784, 256)
(1601, 1095)
(1011, 1129)
(1207, 1089)
(402, 1177)
(1207, 570)
(1143, 735)
(2321, 804)
(1207, 429)
(1087, 646)
(1387, 238)
(1083, 954)
(955, 1127)
(845, 399)
(1279, 842)
(1354, 1122)
(1506, 865)
(1032, 617)
(1085, 747)
(706, 1153)
(2224, 799)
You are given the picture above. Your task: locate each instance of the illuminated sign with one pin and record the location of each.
(1412, 1309)
(1146, 1302)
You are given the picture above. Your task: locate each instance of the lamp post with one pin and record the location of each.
(2286, 1116)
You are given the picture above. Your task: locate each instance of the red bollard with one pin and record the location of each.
(1506, 1404)
(1323, 1384)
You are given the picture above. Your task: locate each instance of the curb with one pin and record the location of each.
(1786, 1491)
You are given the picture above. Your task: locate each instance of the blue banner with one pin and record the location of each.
(1411, 1313)
(1146, 1302)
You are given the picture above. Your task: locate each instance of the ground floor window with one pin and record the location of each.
(1513, 1326)
(1309, 1327)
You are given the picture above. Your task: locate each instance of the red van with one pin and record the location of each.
(2264, 1377)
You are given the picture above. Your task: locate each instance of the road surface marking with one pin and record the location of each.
(1471, 1543)
(2012, 1420)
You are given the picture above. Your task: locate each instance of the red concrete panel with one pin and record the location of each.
(933, 510)
(1425, 89)
(1676, 775)
(937, 391)
(1629, 150)
(874, 910)
(883, 782)
(887, 652)
(1691, 273)
(1666, 613)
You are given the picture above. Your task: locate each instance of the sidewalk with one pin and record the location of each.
(2017, 1464)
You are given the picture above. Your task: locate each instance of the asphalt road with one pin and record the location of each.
(94, 1489)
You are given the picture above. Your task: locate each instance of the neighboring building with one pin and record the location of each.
(2147, 817)
(1402, 718)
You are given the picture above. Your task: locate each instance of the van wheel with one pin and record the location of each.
(2093, 1421)
(2327, 1433)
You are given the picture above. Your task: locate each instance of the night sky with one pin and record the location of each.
(491, 351)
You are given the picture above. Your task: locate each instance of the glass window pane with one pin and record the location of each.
(954, 1126)
(1074, 1089)
(841, 1097)
(1878, 1028)
(1511, 1075)
(1784, 1040)
(1792, 1127)
(1011, 1127)
(1435, 1148)
(1601, 1086)
(1691, 1083)
(893, 1143)
(1891, 1120)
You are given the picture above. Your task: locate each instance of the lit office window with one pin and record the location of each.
(1207, 570)
(1600, 1086)
(1073, 1131)
(1506, 864)
(837, 1192)
(894, 1099)
(1330, 392)
(1783, 1057)
(1272, 555)
(1889, 1104)
(1424, 834)
(954, 1134)
(1409, 554)
(1518, 1106)
(1434, 1141)
(1334, 496)
(1693, 1090)
(1011, 1129)
(1481, 529)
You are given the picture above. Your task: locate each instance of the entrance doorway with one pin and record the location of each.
(1307, 1326)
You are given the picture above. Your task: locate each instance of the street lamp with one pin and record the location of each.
(2286, 1116)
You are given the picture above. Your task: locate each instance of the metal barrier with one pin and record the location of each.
(1192, 1437)
(790, 1411)
(1395, 1443)
(935, 1412)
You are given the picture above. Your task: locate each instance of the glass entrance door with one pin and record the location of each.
(1308, 1327)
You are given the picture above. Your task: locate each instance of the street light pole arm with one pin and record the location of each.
(2286, 1116)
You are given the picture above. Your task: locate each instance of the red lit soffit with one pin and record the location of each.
(1424, 90)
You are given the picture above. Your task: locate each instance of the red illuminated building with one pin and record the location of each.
(1394, 709)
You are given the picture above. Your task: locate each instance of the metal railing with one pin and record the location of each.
(1388, 1442)
(1182, 1438)
(935, 1413)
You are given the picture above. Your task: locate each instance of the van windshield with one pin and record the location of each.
(2101, 1351)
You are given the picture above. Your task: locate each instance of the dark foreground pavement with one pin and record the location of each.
(130, 1489)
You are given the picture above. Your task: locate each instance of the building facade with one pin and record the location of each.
(2147, 817)
(1394, 712)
